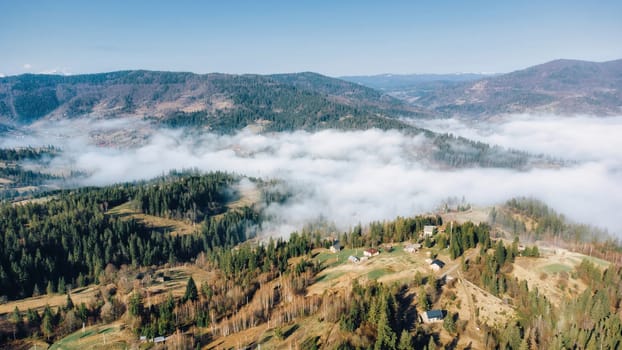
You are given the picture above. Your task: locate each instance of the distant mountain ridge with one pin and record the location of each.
(216, 101)
(392, 82)
(564, 87)
(310, 101)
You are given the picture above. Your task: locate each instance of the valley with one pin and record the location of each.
(146, 209)
(335, 175)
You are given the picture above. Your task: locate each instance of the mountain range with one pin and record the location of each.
(564, 87)
(217, 102)
(310, 101)
(396, 82)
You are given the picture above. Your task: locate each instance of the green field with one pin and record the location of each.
(556, 268)
(330, 276)
(104, 337)
(375, 274)
(597, 261)
(328, 259)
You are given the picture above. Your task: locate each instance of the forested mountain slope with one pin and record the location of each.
(219, 102)
(73, 236)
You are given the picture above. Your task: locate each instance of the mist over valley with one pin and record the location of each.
(184, 210)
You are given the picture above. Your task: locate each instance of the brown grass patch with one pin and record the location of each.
(78, 295)
(175, 227)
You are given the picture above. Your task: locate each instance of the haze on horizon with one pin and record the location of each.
(344, 38)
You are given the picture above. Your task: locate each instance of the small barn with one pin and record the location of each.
(432, 316)
(371, 252)
(412, 248)
(436, 265)
(159, 339)
(162, 279)
(429, 230)
(335, 248)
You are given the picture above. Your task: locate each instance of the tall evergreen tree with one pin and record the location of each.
(50, 288)
(192, 293)
(406, 340)
(47, 323)
(68, 303)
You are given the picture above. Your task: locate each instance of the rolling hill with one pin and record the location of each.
(218, 102)
(225, 104)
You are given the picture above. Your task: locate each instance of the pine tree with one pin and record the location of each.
(449, 323)
(47, 324)
(33, 317)
(83, 312)
(500, 253)
(16, 319)
(16, 316)
(424, 302)
(524, 345)
(135, 305)
(191, 290)
(431, 344)
(68, 303)
(50, 288)
(406, 341)
(61, 285)
(386, 338)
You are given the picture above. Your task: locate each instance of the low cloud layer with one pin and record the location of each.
(573, 138)
(352, 177)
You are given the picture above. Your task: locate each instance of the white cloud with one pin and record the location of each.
(352, 177)
(27, 66)
(576, 138)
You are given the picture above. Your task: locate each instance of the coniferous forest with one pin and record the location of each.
(71, 238)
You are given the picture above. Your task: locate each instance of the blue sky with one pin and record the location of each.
(329, 37)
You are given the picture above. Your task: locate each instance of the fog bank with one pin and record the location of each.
(359, 176)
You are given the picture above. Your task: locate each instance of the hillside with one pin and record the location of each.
(351, 93)
(310, 101)
(565, 87)
(217, 102)
(488, 292)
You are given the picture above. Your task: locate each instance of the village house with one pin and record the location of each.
(429, 230)
(159, 339)
(436, 265)
(432, 316)
(353, 259)
(335, 248)
(371, 252)
(162, 279)
(412, 248)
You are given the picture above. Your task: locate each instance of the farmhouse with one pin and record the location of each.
(159, 339)
(162, 279)
(429, 230)
(412, 248)
(353, 259)
(371, 252)
(436, 265)
(336, 247)
(432, 316)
